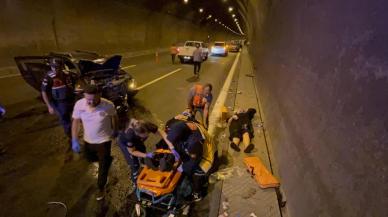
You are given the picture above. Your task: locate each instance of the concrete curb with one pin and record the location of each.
(215, 118)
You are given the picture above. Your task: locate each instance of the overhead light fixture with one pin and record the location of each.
(216, 20)
(210, 16)
(200, 10)
(230, 9)
(185, 1)
(233, 15)
(235, 19)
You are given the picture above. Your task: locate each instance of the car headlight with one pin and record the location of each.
(132, 85)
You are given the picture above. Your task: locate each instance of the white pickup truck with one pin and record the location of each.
(185, 53)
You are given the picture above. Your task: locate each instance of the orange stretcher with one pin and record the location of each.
(260, 173)
(158, 182)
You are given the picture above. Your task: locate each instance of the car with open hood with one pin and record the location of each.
(116, 84)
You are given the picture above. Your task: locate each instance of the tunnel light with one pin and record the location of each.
(230, 9)
(200, 10)
(208, 17)
(185, 1)
(233, 15)
(235, 19)
(215, 20)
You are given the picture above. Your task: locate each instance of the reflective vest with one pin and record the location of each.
(198, 98)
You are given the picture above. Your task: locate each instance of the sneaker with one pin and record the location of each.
(196, 197)
(100, 195)
(235, 147)
(249, 148)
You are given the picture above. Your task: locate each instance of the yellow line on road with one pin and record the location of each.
(127, 67)
(158, 79)
(9, 76)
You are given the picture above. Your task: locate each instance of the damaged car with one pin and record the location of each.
(116, 84)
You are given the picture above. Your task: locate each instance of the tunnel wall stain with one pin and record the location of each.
(322, 74)
(37, 27)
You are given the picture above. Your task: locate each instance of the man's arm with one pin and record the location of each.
(47, 102)
(75, 127)
(164, 136)
(190, 99)
(206, 113)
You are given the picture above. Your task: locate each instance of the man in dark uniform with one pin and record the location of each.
(58, 93)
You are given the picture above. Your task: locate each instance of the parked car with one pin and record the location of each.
(90, 68)
(185, 52)
(219, 48)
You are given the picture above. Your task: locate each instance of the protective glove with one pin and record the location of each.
(149, 154)
(180, 168)
(176, 155)
(75, 145)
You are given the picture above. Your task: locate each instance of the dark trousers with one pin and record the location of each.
(133, 162)
(195, 174)
(173, 58)
(197, 67)
(64, 111)
(101, 153)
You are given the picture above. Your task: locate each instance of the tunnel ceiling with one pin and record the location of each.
(212, 10)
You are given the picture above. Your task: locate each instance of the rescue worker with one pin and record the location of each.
(98, 118)
(197, 59)
(58, 93)
(195, 149)
(173, 51)
(131, 142)
(241, 129)
(199, 100)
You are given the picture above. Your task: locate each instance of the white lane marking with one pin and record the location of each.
(127, 67)
(9, 76)
(215, 114)
(158, 79)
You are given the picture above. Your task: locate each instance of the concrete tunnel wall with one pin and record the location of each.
(30, 27)
(322, 74)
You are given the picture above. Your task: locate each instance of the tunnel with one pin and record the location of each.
(320, 70)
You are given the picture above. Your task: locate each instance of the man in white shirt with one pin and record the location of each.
(99, 120)
(197, 59)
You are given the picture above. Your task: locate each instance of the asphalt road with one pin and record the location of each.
(33, 170)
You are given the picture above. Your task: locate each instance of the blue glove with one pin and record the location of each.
(180, 168)
(75, 145)
(150, 154)
(176, 155)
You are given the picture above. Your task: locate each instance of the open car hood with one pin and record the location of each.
(110, 64)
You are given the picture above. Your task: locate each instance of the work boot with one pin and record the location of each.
(249, 148)
(235, 147)
(197, 197)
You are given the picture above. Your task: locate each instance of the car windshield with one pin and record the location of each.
(220, 44)
(192, 44)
